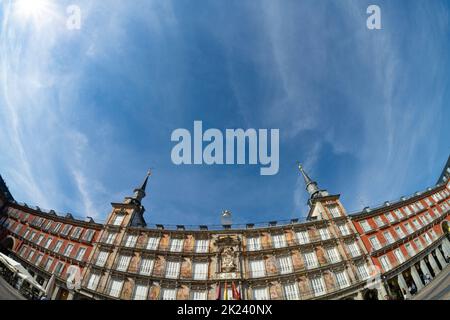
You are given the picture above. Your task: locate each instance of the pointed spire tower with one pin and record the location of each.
(139, 194)
(311, 185)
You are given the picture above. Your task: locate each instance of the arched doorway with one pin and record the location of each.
(446, 229)
(6, 245)
(370, 294)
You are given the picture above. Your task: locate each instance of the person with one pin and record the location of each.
(44, 297)
(412, 289)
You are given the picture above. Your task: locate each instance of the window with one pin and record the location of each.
(257, 268)
(285, 265)
(324, 234)
(385, 263)
(58, 246)
(318, 286)
(57, 227)
(140, 292)
(410, 249)
(291, 291)
(260, 293)
(427, 238)
(30, 255)
(172, 269)
(416, 224)
(48, 264)
(428, 216)
(48, 242)
(302, 237)
(375, 243)
(22, 251)
(88, 235)
(66, 230)
(116, 287)
(118, 219)
(388, 236)
(47, 226)
(428, 201)
(26, 233)
(424, 221)
(418, 244)
(94, 278)
(146, 266)
(59, 268)
(124, 261)
(76, 233)
(341, 279)
(101, 258)
(200, 270)
(365, 225)
(343, 228)
(398, 214)
(310, 260)
(33, 234)
(169, 294)
(40, 238)
(354, 249)
(80, 254)
(176, 245)
(433, 234)
(253, 243)
(407, 210)
(408, 228)
(152, 243)
(202, 245)
(379, 221)
(39, 259)
(334, 210)
(333, 255)
(68, 250)
(399, 232)
(110, 238)
(17, 229)
(399, 255)
(279, 240)
(131, 240)
(390, 217)
(199, 295)
(363, 272)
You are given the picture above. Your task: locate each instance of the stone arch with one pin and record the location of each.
(7, 245)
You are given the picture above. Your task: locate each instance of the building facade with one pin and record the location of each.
(375, 253)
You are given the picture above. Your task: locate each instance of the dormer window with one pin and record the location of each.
(118, 219)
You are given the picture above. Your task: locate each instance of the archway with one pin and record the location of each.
(370, 294)
(6, 245)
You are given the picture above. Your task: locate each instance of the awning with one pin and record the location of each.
(18, 269)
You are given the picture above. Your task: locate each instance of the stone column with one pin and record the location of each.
(382, 293)
(70, 295)
(433, 264)
(446, 247)
(403, 286)
(424, 268)
(417, 281)
(55, 293)
(440, 258)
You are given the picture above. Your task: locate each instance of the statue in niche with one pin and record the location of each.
(228, 263)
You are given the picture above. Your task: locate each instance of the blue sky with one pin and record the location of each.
(84, 113)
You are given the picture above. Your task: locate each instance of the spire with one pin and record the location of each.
(139, 193)
(311, 186)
